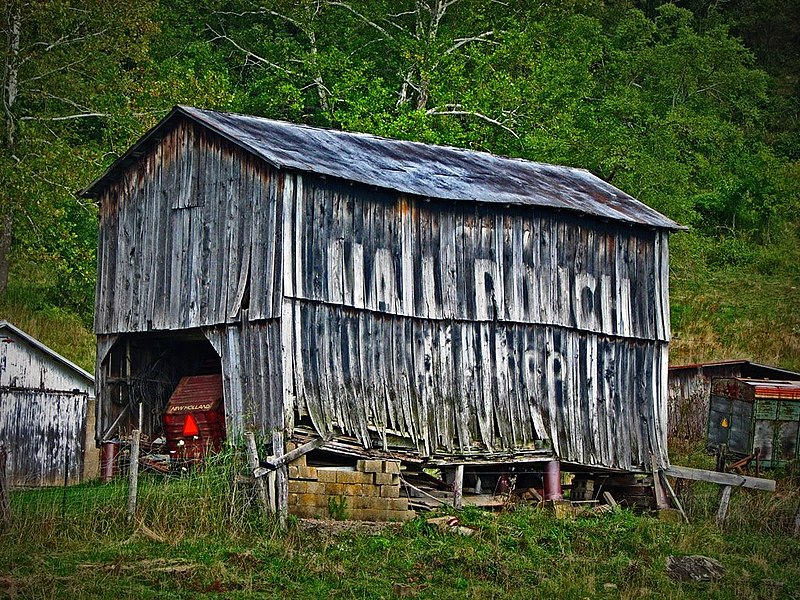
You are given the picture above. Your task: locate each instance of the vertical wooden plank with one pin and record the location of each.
(461, 236)
(300, 254)
(281, 480)
(290, 209)
(253, 463)
(458, 487)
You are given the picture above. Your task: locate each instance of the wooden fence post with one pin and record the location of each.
(5, 500)
(281, 480)
(253, 463)
(722, 512)
(133, 474)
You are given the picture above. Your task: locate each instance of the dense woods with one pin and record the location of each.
(692, 108)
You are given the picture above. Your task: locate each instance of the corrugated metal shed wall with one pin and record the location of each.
(23, 366)
(531, 323)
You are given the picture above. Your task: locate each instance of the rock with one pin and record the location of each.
(694, 568)
(609, 586)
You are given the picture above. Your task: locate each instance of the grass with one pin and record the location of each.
(749, 311)
(60, 329)
(201, 536)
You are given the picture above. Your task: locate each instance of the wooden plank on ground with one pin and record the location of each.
(731, 479)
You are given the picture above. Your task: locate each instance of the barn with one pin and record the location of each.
(405, 299)
(47, 413)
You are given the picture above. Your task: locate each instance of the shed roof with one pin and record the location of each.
(32, 341)
(746, 366)
(439, 172)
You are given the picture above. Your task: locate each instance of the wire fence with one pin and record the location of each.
(207, 498)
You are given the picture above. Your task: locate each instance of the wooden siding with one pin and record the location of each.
(461, 327)
(458, 326)
(188, 238)
(252, 380)
(45, 433)
(461, 387)
(23, 366)
(370, 250)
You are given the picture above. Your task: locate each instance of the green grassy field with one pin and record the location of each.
(202, 537)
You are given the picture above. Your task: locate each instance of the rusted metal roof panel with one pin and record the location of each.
(425, 170)
(750, 389)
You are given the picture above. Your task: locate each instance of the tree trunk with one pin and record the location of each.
(13, 24)
(6, 224)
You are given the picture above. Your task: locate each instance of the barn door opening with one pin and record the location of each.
(139, 375)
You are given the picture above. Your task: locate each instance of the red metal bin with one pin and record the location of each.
(194, 422)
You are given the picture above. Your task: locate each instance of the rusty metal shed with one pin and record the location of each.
(758, 417)
(690, 391)
(46, 413)
(451, 304)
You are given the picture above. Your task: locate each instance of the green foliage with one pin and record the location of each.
(666, 103)
(337, 508)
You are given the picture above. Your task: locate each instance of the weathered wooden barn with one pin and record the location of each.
(46, 413)
(451, 304)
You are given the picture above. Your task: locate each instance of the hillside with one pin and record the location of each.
(694, 112)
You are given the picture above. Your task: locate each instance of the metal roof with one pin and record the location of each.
(49, 351)
(773, 371)
(439, 172)
(772, 388)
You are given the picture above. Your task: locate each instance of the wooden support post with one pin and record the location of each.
(281, 479)
(658, 486)
(458, 488)
(725, 500)
(673, 496)
(552, 481)
(133, 474)
(252, 462)
(5, 499)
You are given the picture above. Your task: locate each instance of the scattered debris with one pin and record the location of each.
(694, 568)
(452, 525)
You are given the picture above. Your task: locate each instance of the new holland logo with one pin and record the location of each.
(182, 408)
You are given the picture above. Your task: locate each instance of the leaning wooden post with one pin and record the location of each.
(281, 480)
(133, 474)
(722, 512)
(253, 463)
(673, 495)
(5, 500)
(458, 488)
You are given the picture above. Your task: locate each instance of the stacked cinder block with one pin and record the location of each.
(371, 492)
